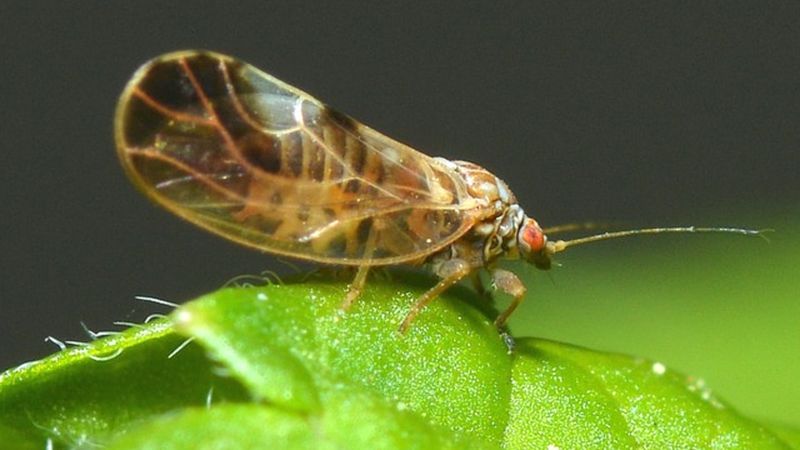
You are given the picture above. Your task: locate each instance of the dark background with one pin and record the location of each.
(645, 113)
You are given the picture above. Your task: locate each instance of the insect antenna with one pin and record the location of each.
(559, 246)
(577, 226)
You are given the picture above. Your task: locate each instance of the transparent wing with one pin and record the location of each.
(246, 156)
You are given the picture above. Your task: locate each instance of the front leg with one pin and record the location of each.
(510, 284)
(450, 272)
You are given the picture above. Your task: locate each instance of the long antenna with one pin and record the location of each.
(578, 226)
(558, 246)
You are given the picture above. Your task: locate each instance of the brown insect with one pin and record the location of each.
(244, 155)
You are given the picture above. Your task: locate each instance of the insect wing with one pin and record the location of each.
(246, 156)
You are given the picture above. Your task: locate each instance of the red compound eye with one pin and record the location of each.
(533, 236)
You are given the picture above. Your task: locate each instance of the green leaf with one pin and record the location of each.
(280, 366)
(451, 345)
(199, 428)
(619, 402)
(789, 435)
(85, 394)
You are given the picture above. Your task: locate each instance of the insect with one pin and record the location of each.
(255, 160)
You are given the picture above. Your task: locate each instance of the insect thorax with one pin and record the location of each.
(497, 221)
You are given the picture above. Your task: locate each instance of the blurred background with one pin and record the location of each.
(638, 113)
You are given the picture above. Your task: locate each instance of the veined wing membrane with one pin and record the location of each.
(259, 162)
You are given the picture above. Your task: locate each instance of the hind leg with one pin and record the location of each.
(356, 287)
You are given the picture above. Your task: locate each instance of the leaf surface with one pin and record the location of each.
(280, 364)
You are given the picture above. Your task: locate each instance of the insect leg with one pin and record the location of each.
(478, 285)
(451, 272)
(361, 276)
(354, 291)
(510, 284)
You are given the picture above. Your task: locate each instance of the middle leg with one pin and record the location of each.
(451, 272)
